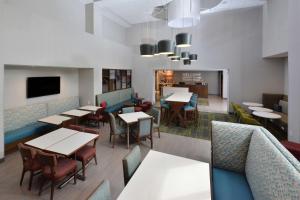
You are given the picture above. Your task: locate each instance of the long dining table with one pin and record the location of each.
(163, 176)
(177, 101)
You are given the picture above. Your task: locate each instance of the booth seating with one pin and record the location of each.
(116, 99)
(21, 124)
(250, 163)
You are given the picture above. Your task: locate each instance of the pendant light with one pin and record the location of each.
(176, 53)
(146, 50)
(165, 47)
(185, 55)
(175, 59)
(155, 50)
(193, 57)
(183, 40)
(187, 62)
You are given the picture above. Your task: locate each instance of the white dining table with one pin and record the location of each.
(90, 108)
(260, 109)
(266, 116)
(76, 113)
(45, 141)
(131, 118)
(54, 119)
(253, 104)
(163, 176)
(184, 97)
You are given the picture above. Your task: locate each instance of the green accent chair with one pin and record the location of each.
(115, 129)
(249, 120)
(155, 113)
(128, 110)
(102, 192)
(131, 162)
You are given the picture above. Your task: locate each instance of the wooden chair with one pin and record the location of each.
(88, 152)
(144, 130)
(128, 110)
(75, 127)
(55, 170)
(156, 113)
(102, 192)
(30, 163)
(114, 129)
(131, 162)
(97, 117)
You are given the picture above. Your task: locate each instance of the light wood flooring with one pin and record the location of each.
(109, 167)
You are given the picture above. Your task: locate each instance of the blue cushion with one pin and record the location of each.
(26, 131)
(188, 107)
(228, 185)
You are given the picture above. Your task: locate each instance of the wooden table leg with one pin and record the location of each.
(176, 108)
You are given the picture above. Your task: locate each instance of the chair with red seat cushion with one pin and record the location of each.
(30, 163)
(97, 117)
(55, 169)
(75, 127)
(103, 104)
(88, 152)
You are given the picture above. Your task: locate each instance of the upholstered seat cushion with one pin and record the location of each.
(95, 117)
(155, 125)
(165, 105)
(35, 128)
(229, 185)
(102, 192)
(189, 108)
(85, 153)
(32, 165)
(64, 166)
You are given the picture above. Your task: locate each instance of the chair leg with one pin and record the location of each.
(30, 180)
(22, 176)
(52, 190)
(110, 137)
(41, 186)
(95, 158)
(75, 176)
(158, 132)
(83, 169)
(114, 139)
(151, 142)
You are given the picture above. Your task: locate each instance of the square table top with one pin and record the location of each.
(76, 113)
(51, 138)
(133, 117)
(90, 108)
(54, 119)
(163, 176)
(71, 144)
(184, 97)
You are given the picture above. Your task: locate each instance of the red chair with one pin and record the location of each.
(55, 169)
(30, 163)
(103, 104)
(88, 152)
(97, 117)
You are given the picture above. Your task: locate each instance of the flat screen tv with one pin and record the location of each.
(42, 86)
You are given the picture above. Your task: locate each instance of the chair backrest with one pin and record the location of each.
(92, 131)
(100, 111)
(128, 110)
(154, 112)
(145, 126)
(112, 123)
(27, 153)
(103, 104)
(75, 127)
(47, 160)
(131, 162)
(102, 192)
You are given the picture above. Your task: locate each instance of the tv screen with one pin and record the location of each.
(42, 86)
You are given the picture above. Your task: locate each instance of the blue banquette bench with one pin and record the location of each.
(21, 123)
(116, 99)
(250, 163)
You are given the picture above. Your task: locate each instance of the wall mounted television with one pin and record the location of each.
(42, 86)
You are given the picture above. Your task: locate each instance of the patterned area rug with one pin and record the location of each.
(203, 101)
(200, 129)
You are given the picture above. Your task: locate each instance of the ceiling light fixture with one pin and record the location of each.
(165, 47)
(146, 50)
(193, 57)
(185, 55)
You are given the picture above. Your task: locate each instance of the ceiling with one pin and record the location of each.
(139, 11)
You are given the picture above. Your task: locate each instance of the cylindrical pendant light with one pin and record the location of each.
(185, 55)
(146, 50)
(155, 50)
(165, 47)
(187, 62)
(193, 57)
(175, 59)
(176, 54)
(183, 40)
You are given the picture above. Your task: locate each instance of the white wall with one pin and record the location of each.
(275, 28)
(228, 40)
(15, 84)
(225, 83)
(52, 33)
(286, 76)
(86, 87)
(294, 71)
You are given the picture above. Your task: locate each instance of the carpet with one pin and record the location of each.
(203, 101)
(200, 129)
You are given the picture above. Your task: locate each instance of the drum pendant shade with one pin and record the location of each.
(193, 57)
(183, 40)
(165, 47)
(185, 56)
(146, 50)
(187, 62)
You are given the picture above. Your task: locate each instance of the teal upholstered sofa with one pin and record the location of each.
(21, 122)
(250, 163)
(116, 99)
